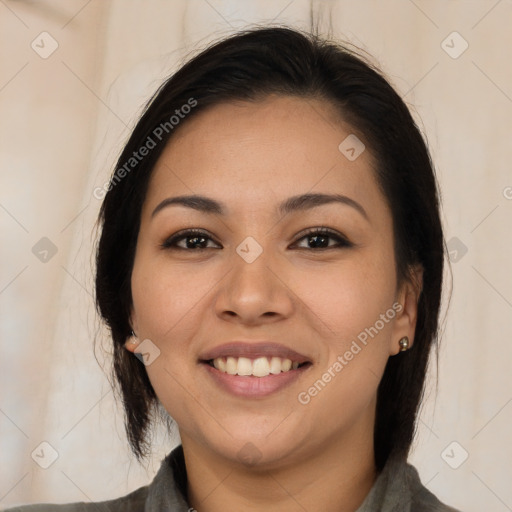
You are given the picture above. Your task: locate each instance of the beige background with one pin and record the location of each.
(63, 120)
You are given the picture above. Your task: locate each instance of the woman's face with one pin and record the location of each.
(254, 287)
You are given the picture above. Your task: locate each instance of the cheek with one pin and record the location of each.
(165, 296)
(356, 342)
(346, 298)
(166, 301)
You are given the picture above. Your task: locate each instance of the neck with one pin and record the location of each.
(335, 477)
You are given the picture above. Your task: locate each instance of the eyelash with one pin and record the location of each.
(342, 242)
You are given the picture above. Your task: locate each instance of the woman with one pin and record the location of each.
(270, 266)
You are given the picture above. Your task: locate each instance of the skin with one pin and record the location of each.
(251, 157)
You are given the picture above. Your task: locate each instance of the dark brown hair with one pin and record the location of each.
(249, 66)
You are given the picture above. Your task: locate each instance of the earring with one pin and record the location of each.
(134, 341)
(404, 344)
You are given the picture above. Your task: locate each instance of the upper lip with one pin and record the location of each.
(253, 350)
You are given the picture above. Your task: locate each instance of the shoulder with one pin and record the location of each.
(422, 500)
(398, 488)
(133, 502)
(167, 491)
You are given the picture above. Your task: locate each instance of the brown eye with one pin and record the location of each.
(319, 238)
(195, 239)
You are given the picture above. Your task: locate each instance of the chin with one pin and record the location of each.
(262, 446)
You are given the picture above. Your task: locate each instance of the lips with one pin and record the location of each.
(254, 370)
(252, 350)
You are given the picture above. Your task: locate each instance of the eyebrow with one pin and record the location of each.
(292, 204)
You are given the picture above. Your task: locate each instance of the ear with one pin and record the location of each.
(407, 300)
(132, 342)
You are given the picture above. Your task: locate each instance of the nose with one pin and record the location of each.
(254, 293)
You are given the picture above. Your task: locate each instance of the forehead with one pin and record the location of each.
(248, 154)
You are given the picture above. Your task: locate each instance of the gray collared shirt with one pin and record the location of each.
(397, 489)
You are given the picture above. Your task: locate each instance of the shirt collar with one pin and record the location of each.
(168, 490)
(391, 492)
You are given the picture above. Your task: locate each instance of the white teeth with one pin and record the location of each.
(244, 366)
(259, 367)
(220, 364)
(275, 365)
(231, 364)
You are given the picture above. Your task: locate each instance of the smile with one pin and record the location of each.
(259, 367)
(255, 380)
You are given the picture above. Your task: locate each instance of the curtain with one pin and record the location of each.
(74, 78)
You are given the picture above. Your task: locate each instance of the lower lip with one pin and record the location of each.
(254, 387)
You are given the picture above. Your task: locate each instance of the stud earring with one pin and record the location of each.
(404, 344)
(134, 341)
